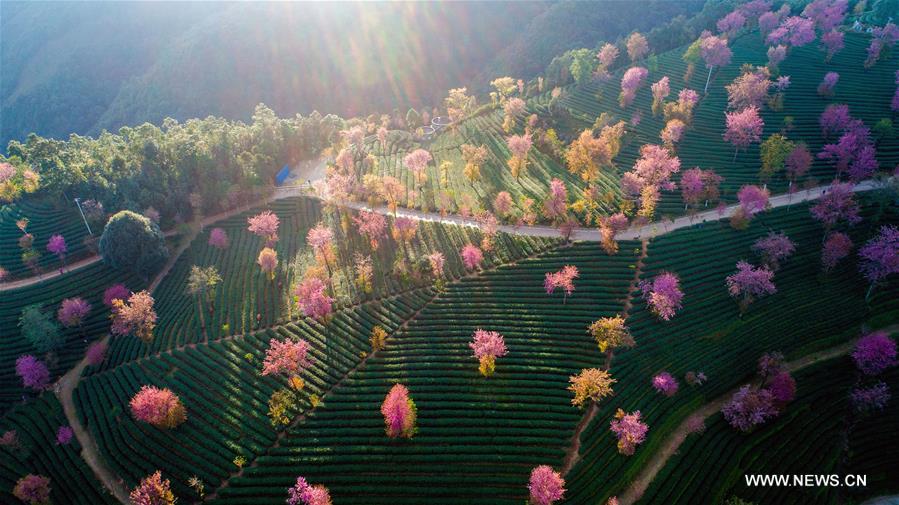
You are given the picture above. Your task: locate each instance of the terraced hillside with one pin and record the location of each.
(818, 434)
(810, 311)
(866, 91)
(36, 425)
(45, 220)
(478, 438)
(247, 300)
(88, 283)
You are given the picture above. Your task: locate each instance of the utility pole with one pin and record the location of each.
(78, 203)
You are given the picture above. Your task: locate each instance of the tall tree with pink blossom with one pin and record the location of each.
(874, 353)
(472, 257)
(96, 353)
(72, 311)
(631, 81)
(715, 53)
(417, 161)
(519, 146)
(158, 406)
(218, 238)
(57, 245)
(312, 299)
(731, 23)
(837, 246)
(286, 357)
(135, 316)
(660, 90)
(487, 346)
(795, 31)
(665, 383)
(372, 226)
(663, 295)
(637, 46)
(563, 279)
(837, 206)
(773, 249)
(399, 413)
(321, 238)
(748, 408)
(880, 257)
(749, 283)
(753, 199)
(115, 292)
(697, 185)
(555, 206)
(744, 127)
(630, 431)
(545, 486)
(834, 119)
(832, 43)
(776, 55)
(33, 372)
(265, 225)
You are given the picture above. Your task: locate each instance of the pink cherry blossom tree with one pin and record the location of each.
(487, 346)
(33, 489)
(665, 383)
(519, 146)
(555, 206)
(834, 119)
(838, 205)
(795, 31)
(798, 162)
(828, 83)
(96, 353)
(72, 311)
(135, 316)
(545, 486)
(874, 353)
(218, 238)
(832, 43)
(731, 23)
(153, 490)
(630, 430)
(64, 435)
(744, 127)
(158, 406)
(715, 53)
(287, 357)
(837, 246)
(663, 295)
(472, 257)
(698, 185)
(776, 55)
(312, 299)
(750, 283)
(33, 372)
(563, 279)
(880, 256)
(372, 226)
(57, 245)
(637, 46)
(265, 225)
(660, 90)
(631, 81)
(773, 249)
(748, 408)
(417, 161)
(399, 413)
(303, 493)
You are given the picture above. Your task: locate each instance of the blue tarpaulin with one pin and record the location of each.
(282, 175)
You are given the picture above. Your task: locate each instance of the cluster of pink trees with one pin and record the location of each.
(487, 346)
(73, 311)
(303, 493)
(372, 226)
(882, 38)
(663, 295)
(751, 406)
(853, 152)
(399, 413)
(837, 207)
(874, 353)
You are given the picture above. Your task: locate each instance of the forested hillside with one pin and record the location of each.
(201, 59)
